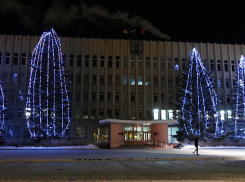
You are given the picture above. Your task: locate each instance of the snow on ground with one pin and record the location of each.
(221, 146)
(89, 146)
(92, 147)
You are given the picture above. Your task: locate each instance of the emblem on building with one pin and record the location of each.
(136, 47)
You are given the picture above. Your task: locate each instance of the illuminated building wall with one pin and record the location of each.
(114, 78)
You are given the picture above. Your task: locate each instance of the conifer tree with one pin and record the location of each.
(198, 110)
(237, 122)
(47, 105)
(3, 117)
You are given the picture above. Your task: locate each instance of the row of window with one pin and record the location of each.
(132, 80)
(14, 131)
(125, 62)
(124, 97)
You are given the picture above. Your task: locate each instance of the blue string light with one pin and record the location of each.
(2, 116)
(199, 97)
(47, 106)
(239, 104)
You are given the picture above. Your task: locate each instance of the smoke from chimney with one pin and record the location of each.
(58, 15)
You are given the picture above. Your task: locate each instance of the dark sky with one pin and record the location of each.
(211, 21)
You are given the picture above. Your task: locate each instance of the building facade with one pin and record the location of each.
(113, 79)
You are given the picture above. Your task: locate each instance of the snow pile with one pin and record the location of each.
(89, 146)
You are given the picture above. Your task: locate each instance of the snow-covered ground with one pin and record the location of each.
(92, 147)
(89, 146)
(221, 146)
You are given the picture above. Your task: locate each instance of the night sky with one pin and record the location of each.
(211, 21)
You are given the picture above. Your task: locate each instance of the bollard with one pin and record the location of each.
(161, 144)
(156, 142)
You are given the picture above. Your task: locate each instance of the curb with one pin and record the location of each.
(129, 159)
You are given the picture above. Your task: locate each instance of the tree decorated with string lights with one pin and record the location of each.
(198, 114)
(47, 105)
(237, 122)
(3, 117)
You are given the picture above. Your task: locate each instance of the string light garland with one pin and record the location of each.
(2, 116)
(238, 104)
(47, 104)
(198, 116)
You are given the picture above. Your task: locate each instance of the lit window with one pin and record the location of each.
(80, 131)
(155, 113)
(228, 114)
(222, 115)
(170, 114)
(140, 81)
(163, 115)
(125, 80)
(132, 80)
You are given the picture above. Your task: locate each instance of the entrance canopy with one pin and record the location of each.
(144, 122)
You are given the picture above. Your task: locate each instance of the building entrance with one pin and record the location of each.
(137, 134)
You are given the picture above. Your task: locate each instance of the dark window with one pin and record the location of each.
(108, 113)
(226, 65)
(125, 61)
(109, 61)
(11, 113)
(23, 59)
(219, 65)
(78, 79)
(116, 114)
(85, 96)
(212, 65)
(155, 97)
(93, 96)
(94, 61)
(183, 64)
(228, 99)
(117, 80)
(170, 82)
(86, 61)
(147, 63)
(109, 96)
(77, 96)
(0, 58)
(102, 61)
(109, 80)
(132, 97)
(221, 98)
(101, 96)
(176, 80)
(154, 81)
(94, 79)
(7, 58)
(102, 80)
(117, 61)
(15, 62)
(79, 60)
(162, 63)
(71, 58)
(233, 65)
(162, 81)
(169, 64)
(86, 80)
(162, 97)
(227, 82)
(117, 97)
